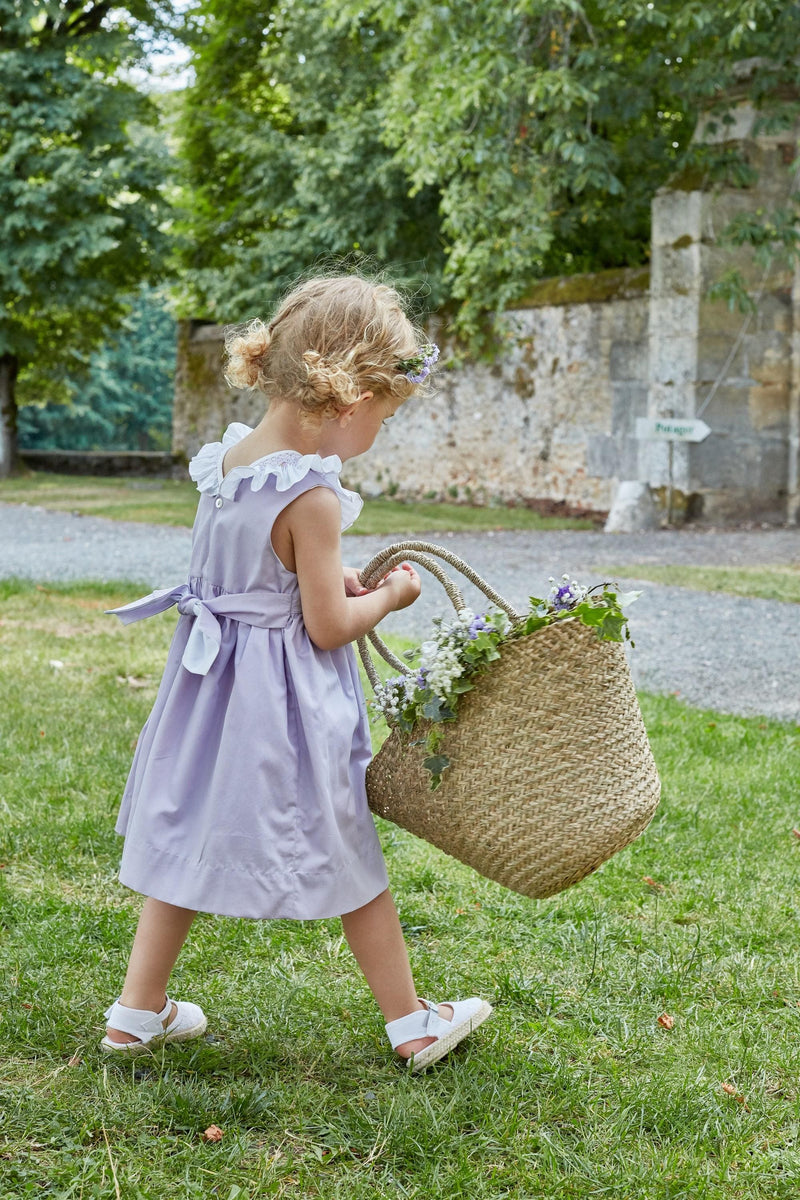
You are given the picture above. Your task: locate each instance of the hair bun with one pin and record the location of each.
(330, 383)
(247, 352)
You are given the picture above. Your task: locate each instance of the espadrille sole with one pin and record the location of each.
(131, 1049)
(444, 1044)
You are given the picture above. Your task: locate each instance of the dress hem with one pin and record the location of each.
(300, 896)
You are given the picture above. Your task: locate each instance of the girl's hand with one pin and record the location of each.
(352, 583)
(404, 584)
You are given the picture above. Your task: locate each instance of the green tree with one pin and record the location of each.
(494, 143)
(547, 127)
(81, 204)
(284, 164)
(125, 400)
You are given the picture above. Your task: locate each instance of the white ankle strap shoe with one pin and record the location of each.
(426, 1022)
(148, 1027)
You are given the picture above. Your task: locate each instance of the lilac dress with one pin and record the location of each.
(246, 796)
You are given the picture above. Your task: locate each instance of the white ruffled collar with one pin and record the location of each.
(288, 467)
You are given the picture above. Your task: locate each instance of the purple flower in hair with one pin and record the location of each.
(417, 368)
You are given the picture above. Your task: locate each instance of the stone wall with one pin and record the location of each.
(204, 404)
(111, 463)
(547, 422)
(552, 421)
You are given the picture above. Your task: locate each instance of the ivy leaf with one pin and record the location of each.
(612, 626)
(533, 623)
(436, 763)
(590, 614)
(437, 709)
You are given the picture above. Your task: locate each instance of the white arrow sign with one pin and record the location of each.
(672, 429)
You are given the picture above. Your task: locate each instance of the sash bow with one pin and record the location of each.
(267, 610)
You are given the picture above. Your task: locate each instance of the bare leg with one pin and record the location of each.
(374, 935)
(159, 937)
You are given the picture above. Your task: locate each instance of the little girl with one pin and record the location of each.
(246, 796)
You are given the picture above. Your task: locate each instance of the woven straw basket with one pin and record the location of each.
(551, 769)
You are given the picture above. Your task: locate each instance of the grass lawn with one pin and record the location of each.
(766, 583)
(174, 501)
(574, 1089)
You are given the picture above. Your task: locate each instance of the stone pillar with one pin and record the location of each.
(675, 300)
(734, 371)
(793, 466)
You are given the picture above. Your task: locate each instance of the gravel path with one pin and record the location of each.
(722, 652)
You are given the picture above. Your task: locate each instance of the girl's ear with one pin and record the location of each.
(346, 415)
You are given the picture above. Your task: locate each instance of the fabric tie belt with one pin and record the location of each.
(267, 610)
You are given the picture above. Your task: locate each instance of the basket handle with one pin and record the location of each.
(420, 552)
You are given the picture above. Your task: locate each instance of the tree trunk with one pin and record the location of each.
(9, 456)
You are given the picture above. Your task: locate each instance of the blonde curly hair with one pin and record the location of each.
(332, 339)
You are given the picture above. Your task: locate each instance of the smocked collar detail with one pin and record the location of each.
(287, 466)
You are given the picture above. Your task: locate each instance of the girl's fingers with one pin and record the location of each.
(401, 567)
(352, 583)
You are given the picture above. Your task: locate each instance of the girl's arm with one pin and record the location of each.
(331, 617)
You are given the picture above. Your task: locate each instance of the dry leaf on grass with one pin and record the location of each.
(660, 887)
(730, 1090)
(212, 1134)
(132, 681)
(796, 833)
(666, 1021)
(75, 1061)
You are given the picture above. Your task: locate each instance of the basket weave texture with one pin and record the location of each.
(551, 773)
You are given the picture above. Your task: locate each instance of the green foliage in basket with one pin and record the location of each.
(450, 662)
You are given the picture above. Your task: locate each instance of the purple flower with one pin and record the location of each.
(564, 598)
(418, 368)
(478, 625)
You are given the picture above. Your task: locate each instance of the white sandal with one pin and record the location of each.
(189, 1022)
(426, 1022)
